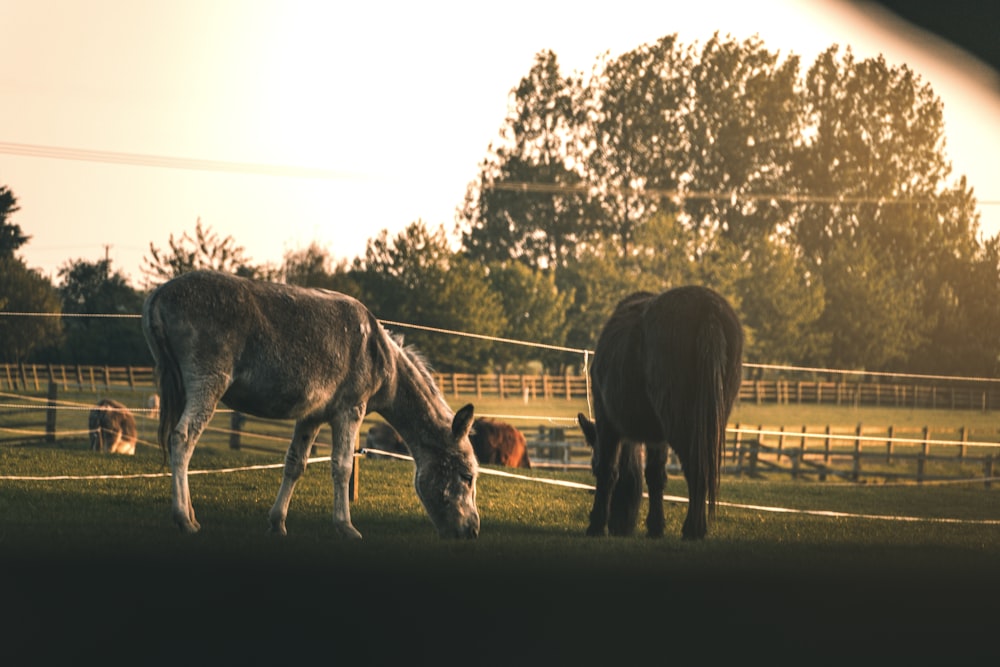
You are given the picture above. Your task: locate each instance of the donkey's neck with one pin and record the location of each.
(414, 405)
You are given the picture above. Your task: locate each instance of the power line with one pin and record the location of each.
(587, 354)
(713, 195)
(165, 162)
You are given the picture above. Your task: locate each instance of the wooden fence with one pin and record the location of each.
(944, 394)
(860, 454)
(882, 454)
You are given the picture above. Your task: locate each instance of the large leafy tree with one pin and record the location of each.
(23, 291)
(820, 204)
(108, 337)
(204, 249)
(313, 266)
(636, 149)
(535, 310)
(539, 224)
(26, 291)
(416, 278)
(742, 123)
(11, 236)
(880, 220)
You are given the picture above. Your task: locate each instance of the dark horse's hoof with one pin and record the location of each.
(596, 531)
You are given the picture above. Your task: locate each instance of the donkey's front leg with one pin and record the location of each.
(344, 429)
(295, 464)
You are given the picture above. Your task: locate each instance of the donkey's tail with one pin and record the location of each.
(169, 383)
(712, 409)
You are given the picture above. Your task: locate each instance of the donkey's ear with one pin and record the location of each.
(588, 428)
(462, 422)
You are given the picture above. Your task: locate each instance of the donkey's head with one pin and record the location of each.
(446, 479)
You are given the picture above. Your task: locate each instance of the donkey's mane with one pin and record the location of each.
(418, 361)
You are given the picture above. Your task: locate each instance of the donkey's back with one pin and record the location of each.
(275, 351)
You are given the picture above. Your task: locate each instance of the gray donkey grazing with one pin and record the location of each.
(319, 357)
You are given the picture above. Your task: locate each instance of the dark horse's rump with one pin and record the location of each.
(667, 370)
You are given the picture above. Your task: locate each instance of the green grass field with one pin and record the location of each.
(81, 554)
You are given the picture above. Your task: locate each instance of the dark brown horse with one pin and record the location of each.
(318, 357)
(112, 428)
(666, 371)
(499, 443)
(494, 442)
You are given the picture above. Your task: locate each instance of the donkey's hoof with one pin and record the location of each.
(187, 524)
(346, 531)
(596, 531)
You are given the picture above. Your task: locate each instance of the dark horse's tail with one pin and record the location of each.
(168, 373)
(718, 372)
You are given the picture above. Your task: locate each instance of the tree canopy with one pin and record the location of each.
(819, 199)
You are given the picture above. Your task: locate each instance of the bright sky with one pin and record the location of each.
(384, 109)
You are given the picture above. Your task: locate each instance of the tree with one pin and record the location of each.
(781, 303)
(742, 123)
(11, 236)
(634, 135)
(91, 287)
(313, 266)
(416, 278)
(204, 250)
(535, 310)
(881, 225)
(529, 201)
(24, 290)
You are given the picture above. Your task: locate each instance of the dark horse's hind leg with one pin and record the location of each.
(656, 480)
(627, 494)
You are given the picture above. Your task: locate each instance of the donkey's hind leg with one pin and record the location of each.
(183, 439)
(295, 464)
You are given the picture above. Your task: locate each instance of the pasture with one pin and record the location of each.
(98, 563)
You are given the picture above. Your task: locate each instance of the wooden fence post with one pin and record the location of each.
(988, 469)
(889, 443)
(738, 440)
(964, 434)
(50, 413)
(922, 458)
(353, 485)
(856, 471)
(236, 421)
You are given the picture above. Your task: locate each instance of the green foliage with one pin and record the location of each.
(539, 227)
(535, 311)
(91, 287)
(204, 250)
(313, 266)
(24, 290)
(11, 236)
(819, 203)
(416, 278)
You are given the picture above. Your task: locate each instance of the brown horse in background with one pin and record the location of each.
(499, 443)
(112, 428)
(493, 442)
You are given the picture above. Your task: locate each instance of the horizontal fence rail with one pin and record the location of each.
(860, 454)
(922, 394)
